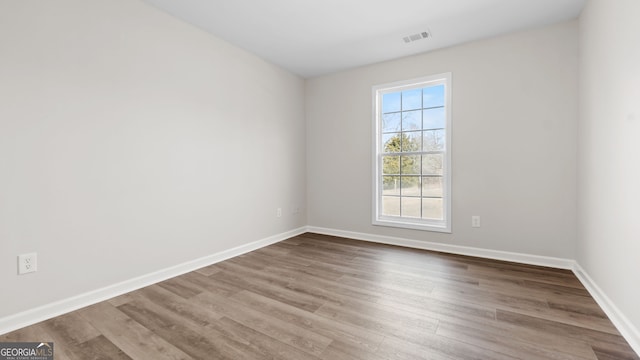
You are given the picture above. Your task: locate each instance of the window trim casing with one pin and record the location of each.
(445, 225)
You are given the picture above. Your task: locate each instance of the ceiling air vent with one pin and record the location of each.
(415, 37)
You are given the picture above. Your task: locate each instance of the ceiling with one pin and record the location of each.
(312, 38)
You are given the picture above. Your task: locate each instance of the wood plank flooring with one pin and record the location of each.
(322, 297)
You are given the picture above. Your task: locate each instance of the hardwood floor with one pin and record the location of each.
(322, 297)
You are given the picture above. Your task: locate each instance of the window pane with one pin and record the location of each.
(413, 154)
(391, 165)
(432, 186)
(433, 96)
(432, 209)
(432, 164)
(391, 122)
(412, 141)
(411, 165)
(391, 185)
(391, 142)
(433, 140)
(411, 120)
(391, 102)
(410, 186)
(391, 205)
(412, 99)
(434, 118)
(410, 207)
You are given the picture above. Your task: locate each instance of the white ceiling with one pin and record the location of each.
(312, 38)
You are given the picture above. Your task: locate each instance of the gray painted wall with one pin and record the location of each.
(514, 142)
(609, 151)
(131, 142)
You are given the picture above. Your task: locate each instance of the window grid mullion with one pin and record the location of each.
(400, 158)
(421, 148)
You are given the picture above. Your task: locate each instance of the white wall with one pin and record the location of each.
(514, 142)
(131, 142)
(609, 151)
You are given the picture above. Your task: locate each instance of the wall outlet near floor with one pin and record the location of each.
(27, 263)
(279, 212)
(475, 221)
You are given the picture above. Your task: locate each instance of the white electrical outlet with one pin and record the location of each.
(279, 212)
(27, 263)
(475, 221)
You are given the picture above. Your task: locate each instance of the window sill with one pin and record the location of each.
(413, 225)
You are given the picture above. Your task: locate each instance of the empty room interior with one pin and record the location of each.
(353, 179)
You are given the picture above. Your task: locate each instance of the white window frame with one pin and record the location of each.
(407, 222)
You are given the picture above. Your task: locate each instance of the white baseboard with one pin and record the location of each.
(553, 262)
(29, 317)
(48, 311)
(621, 322)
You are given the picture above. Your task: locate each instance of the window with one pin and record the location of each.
(412, 157)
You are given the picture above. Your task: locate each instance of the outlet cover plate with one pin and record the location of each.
(27, 263)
